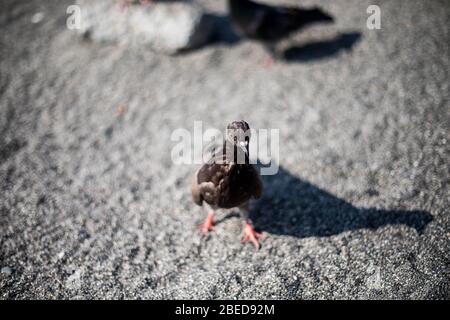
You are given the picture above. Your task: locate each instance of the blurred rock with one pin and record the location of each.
(166, 27)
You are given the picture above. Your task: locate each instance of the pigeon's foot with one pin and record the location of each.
(208, 225)
(251, 235)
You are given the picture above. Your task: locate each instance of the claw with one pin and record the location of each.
(208, 225)
(251, 235)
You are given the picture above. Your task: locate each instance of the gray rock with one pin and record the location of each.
(163, 27)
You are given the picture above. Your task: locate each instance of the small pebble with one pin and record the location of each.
(37, 17)
(6, 271)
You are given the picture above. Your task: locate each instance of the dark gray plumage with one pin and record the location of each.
(228, 180)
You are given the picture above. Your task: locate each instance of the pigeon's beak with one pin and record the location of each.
(243, 145)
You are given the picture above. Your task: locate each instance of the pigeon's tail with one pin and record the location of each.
(310, 16)
(320, 16)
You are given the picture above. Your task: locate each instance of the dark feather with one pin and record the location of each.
(224, 182)
(271, 23)
(227, 185)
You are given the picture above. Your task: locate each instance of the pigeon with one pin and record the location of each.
(228, 180)
(270, 24)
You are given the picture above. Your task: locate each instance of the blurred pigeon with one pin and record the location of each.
(270, 24)
(228, 180)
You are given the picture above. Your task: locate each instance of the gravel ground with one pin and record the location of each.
(91, 205)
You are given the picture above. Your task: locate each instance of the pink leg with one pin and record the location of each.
(251, 235)
(208, 225)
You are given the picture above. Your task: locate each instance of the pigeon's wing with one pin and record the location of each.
(278, 23)
(210, 179)
(249, 26)
(248, 16)
(195, 189)
(238, 186)
(257, 183)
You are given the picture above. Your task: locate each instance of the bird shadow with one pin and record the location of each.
(294, 207)
(322, 49)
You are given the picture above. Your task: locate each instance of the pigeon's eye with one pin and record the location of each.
(235, 138)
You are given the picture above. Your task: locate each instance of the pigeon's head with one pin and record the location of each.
(238, 133)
